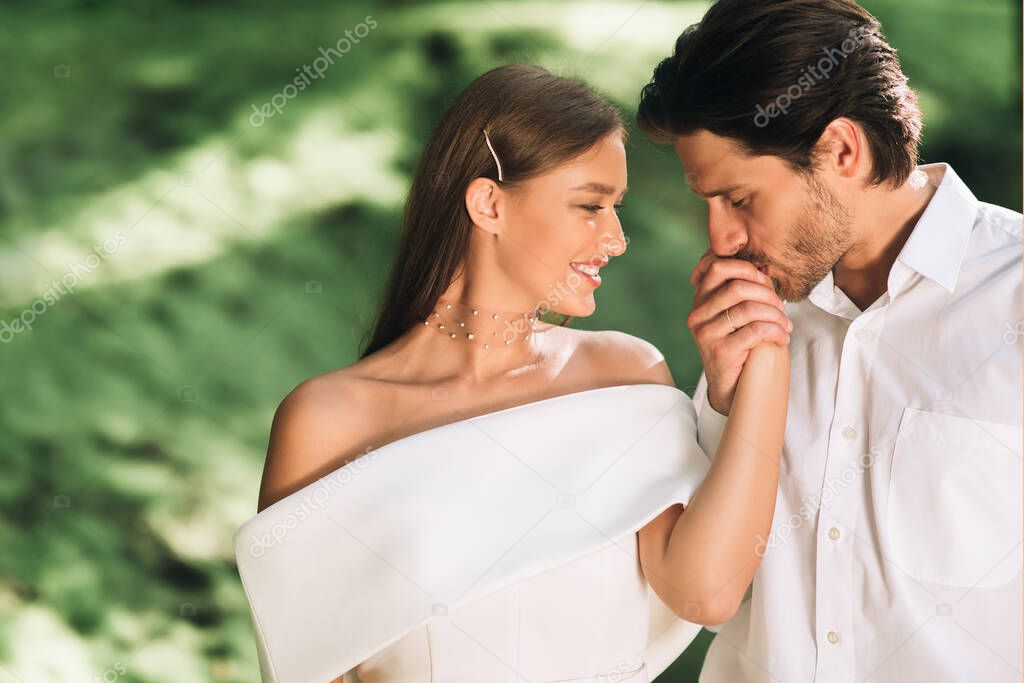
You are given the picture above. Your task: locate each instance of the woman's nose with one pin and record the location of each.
(613, 242)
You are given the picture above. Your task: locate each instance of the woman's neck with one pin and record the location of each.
(452, 343)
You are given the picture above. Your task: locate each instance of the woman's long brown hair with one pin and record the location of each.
(536, 121)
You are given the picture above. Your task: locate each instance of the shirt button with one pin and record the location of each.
(861, 334)
(833, 637)
(833, 533)
(849, 432)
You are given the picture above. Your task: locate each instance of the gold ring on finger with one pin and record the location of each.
(729, 318)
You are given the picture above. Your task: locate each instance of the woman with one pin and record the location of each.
(484, 496)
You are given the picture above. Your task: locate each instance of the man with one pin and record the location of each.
(895, 552)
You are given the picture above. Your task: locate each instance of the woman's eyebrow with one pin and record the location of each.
(597, 187)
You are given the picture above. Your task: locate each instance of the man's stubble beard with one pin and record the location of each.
(816, 242)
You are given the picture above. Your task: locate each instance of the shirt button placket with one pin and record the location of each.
(834, 561)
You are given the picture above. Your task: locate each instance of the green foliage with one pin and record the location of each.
(137, 408)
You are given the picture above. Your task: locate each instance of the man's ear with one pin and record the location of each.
(842, 148)
(484, 204)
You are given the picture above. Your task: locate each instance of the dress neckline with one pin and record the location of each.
(450, 425)
(528, 404)
(542, 400)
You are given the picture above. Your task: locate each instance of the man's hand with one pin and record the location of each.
(735, 309)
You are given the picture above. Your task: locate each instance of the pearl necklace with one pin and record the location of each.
(523, 324)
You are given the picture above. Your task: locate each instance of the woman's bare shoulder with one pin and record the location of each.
(617, 357)
(318, 426)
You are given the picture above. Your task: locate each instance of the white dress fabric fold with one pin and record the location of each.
(500, 548)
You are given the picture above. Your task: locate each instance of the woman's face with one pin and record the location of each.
(562, 226)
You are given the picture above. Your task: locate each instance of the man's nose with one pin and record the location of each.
(727, 233)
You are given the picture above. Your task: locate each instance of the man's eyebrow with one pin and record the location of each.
(715, 193)
(599, 188)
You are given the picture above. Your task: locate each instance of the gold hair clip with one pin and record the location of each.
(497, 163)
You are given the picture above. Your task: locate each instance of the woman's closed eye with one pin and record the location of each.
(594, 208)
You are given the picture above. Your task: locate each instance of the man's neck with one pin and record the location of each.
(885, 220)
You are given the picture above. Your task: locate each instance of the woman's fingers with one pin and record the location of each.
(735, 308)
(728, 295)
(711, 272)
(701, 268)
(746, 312)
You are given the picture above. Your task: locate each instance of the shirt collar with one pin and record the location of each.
(936, 247)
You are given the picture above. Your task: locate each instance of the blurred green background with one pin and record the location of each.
(210, 261)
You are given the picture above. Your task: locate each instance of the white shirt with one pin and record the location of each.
(895, 553)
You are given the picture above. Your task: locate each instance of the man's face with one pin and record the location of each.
(786, 223)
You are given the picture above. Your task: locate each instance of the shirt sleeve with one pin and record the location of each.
(710, 422)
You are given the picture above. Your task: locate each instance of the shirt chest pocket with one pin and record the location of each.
(954, 512)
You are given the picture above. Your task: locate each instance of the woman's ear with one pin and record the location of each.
(483, 200)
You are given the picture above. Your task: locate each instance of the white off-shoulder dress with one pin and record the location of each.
(499, 549)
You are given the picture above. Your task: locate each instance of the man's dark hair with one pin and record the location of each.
(772, 74)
